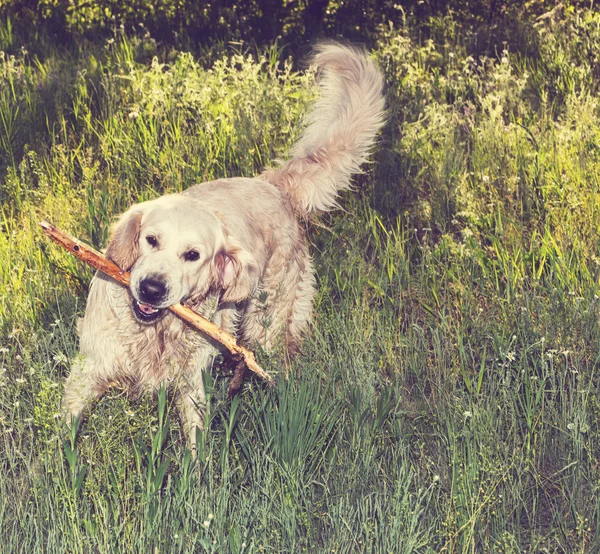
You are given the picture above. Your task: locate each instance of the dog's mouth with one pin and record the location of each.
(145, 313)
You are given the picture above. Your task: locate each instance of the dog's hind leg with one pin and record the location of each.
(280, 313)
(301, 306)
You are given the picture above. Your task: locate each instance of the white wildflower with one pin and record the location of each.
(60, 358)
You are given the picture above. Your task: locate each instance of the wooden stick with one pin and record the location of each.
(97, 260)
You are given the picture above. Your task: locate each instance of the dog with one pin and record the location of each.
(234, 250)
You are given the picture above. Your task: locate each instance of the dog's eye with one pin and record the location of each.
(191, 256)
(152, 240)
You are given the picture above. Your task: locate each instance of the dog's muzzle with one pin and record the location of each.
(146, 313)
(151, 291)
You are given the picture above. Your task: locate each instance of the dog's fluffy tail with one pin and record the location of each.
(341, 130)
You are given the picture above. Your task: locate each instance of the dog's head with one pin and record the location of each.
(177, 251)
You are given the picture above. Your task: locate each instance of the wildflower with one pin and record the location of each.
(60, 358)
(570, 426)
(133, 114)
(20, 381)
(3, 350)
(467, 414)
(510, 356)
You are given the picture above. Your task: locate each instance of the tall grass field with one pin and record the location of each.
(447, 399)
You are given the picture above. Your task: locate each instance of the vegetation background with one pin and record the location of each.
(448, 397)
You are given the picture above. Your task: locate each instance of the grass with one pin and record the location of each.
(447, 398)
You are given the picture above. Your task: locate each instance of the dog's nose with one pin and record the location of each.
(152, 290)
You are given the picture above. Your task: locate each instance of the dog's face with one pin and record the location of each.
(177, 252)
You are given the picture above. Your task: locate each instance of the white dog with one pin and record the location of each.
(234, 250)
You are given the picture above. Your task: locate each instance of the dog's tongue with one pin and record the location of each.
(147, 309)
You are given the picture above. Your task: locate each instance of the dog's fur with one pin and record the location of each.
(233, 249)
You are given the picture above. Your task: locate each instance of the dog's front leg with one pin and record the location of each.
(102, 354)
(82, 387)
(191, 394)
(191, 400)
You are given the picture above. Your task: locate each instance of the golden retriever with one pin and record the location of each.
(234, 250)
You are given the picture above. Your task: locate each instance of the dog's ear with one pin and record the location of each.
(235, 272)
(122, 245)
